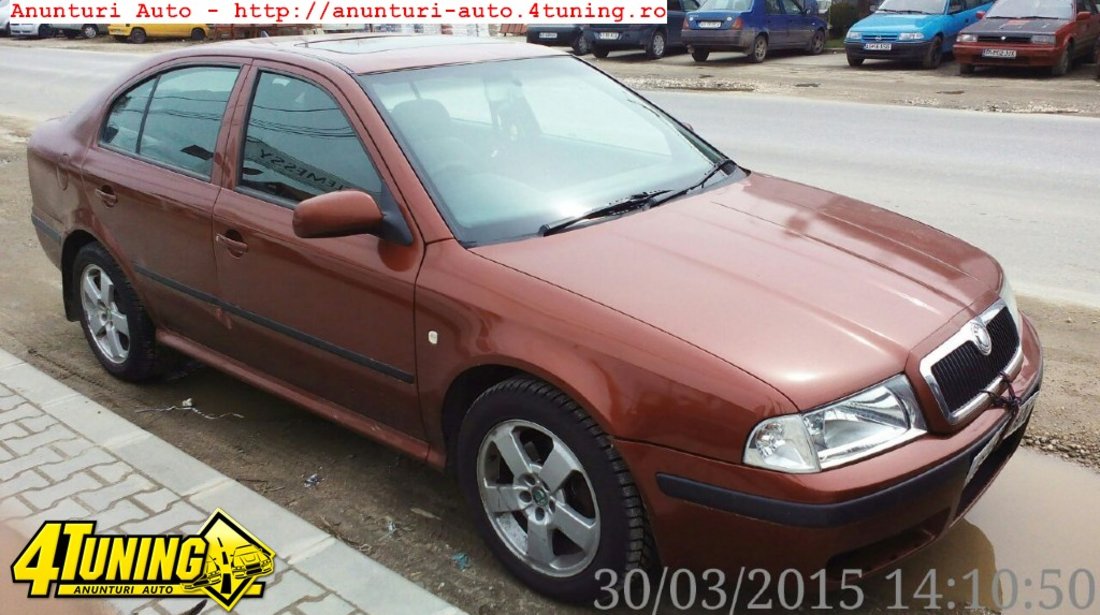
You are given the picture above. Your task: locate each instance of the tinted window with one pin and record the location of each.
(123, 126)
(185, 115)
(792, 7)
(772, 7)
(299, 143)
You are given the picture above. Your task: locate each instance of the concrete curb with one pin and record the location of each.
(63, 456)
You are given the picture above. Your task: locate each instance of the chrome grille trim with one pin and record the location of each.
(984, 398)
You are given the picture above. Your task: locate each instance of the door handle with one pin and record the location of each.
(107, 195)
(232, 242)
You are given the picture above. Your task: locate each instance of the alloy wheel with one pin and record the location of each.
(109, 327)
(538, 498)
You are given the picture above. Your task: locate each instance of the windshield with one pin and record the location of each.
(1044, 9)
(928, 7)
(506, 147)
(741, 6)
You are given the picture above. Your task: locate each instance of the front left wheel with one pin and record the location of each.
(548, 492)
(817, 43)
(115, 323)
(655, 47)
(580, 45)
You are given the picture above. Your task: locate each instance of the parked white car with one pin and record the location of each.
(78, 30)
(5, 14)
(28, 30)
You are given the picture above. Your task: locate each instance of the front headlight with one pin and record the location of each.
(1042, 39)
(859, 426)
(853, 36)
(1009, 297)
(968, 38)
(911, 36)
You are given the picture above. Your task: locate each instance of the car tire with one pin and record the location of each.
(555, 468)
(656, 46)
(966, 69)
(89, 31)
(45, 31)
(600, 51)
(699, 55)
(581, 46)
(817, 43)
(115, 323)
(198, 35)
(934, 57)
(854, 61)
(1061, 67)
(138, 36)
(759, 50)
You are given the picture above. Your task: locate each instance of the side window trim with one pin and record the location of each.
(155, 78)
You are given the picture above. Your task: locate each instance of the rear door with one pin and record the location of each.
(152, 183)
(775, 20)
(1087, 31)
(331, 317)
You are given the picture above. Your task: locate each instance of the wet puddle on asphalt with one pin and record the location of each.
(1039, 515)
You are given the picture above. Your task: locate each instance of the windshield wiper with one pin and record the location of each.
(1032, 17)
(641, 200)
(720, 165)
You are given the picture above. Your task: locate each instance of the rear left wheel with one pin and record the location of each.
(138, 36)
(89, 31)
(655, 46)
(549, 493)
(759, 49)
(699, 55)
(115, 323)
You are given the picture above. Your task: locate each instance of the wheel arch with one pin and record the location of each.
(73, 243)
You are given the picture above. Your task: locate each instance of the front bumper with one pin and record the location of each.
(898, 51)
(718, 40)
(706, 513)
(1026, 55)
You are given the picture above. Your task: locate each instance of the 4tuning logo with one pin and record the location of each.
(67, 559)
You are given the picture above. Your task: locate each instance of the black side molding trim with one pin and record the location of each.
(46, 229)
(301, 336)
(799, 514)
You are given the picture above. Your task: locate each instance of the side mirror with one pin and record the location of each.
(337, 214)
(981, 15)
(1084, 16)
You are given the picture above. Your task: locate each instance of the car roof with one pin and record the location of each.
(369, 53)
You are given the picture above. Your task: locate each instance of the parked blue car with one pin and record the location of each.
(754, 27)
(912, 30)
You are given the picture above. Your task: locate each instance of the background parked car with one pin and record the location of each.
(565, 35)
(914, 30)
(655, 39)
(1051, 33)
(139, 33)
(754, 27)
(31, 30)
(87, 30)
(4, 20)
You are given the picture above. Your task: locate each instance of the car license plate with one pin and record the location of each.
(710, 25)
(548, 35)
(982, 455)
(609, 36)
(998, 53)
(878, 46)
(1024, 412)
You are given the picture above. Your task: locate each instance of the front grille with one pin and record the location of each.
(1005, 39)
(874, 38)
(965, 372)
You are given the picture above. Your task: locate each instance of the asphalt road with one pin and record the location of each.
(1024, 187)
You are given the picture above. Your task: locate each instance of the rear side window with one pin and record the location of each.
(299, 144)
(123, 127)
(174, 118)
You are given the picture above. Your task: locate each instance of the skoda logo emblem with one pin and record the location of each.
(1004, 38)
(980, 336)
(878, 38)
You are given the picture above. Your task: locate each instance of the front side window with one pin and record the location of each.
(299, 144)
(174, 118)
(506, 147)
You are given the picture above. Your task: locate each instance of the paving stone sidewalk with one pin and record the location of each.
(62, 456)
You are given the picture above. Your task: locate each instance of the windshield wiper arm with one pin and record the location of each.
(641, 200)
(720, 165)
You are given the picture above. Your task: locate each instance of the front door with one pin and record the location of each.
(800, 27)
(331, 317)
(152, 183)
(775, 20)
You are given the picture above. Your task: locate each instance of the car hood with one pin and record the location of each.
(814, 293)
(892, 22)
(1000, 25)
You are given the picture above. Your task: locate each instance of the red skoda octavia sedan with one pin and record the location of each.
(495, 258)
